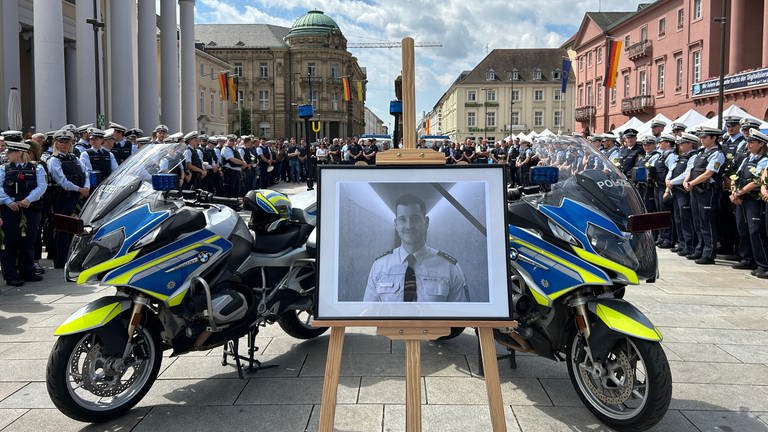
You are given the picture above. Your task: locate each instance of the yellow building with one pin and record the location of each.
(212, 111)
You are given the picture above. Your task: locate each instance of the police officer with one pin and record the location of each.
(160, 133)
(211, 182)
(448, 153)
(69, 178)
(610, 150)
(750, 217)
(678, 128)
(468, 151)
(370, 151)
(687, 149)
(266, 160)
(481, 152)
(631, 153)
(123, 148)
(704, 183)
(413, 271)
(662, 165)
(233, 165)
(97, 161)
(84, 143)
(647, 188)
(524, 161)
(23, 185)
(355, 151)
(193, 160)
(657, 127)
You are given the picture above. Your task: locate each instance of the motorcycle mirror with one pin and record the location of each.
(649, 221)
(544, 175)
(67, 224)
(165, 182)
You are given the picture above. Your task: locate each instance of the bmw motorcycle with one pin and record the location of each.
(577, 238)
(189, 275)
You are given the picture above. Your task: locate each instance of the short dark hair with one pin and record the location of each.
(409, 199)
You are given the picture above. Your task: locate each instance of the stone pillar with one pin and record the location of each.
(765, 34)
(739, 36)
(149, 111)
(121, 64)
(86, 64)
(10, 56)
(169, 67)
(188, 81)
(50, 92)
(70, 79)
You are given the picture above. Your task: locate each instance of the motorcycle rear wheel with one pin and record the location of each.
(88, 386)
(609, 396)
(297, 324)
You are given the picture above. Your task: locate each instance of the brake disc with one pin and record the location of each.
(98, 376)
(623, 384)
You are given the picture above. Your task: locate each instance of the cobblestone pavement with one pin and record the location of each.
(714, 320)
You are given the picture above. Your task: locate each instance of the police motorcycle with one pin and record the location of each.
(189, 275)
(577, 239)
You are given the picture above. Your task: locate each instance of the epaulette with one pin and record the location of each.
(448, 257)
(389, 252)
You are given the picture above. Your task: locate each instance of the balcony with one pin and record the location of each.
(472, 104)
(333, 81)
(585, 113)
(491, 104)
(639, 50)
(637, 105)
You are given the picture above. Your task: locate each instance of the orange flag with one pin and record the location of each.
(612, 65)
(360, 91)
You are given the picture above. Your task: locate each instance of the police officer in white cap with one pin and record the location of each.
(23, 185)
(123, 148)
(193, 158)
(687, 149)
(99, 163)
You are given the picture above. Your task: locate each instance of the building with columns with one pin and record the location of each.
(276, 66)
(64, 55)
(670, 61)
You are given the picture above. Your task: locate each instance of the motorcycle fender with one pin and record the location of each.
(95, 314)
(622, 317)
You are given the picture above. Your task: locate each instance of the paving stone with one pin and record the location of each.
(725, 421)
(34, 334)
(747, 353)
(689, 320)
(353, 343)
(351, 418)
(37, 420)
(719, 397)
(25, 350)
(719, 373)
(561, 392)
(9, 388)
(386, 390)
(295, 391)
(528, 366)
(700, 352)
(448, 418)
(32, 395)
(471, 391)
(193, 392)
(210, 367)
(225, 418)
(8, 416)
(33, 370)
(543, 418)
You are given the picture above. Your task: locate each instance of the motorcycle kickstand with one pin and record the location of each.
(252, 348)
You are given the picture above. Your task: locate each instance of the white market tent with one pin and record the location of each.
(634, 123)
(521, 136)
(691, 119)
(733, 110)
(546, 132)
(645, 129)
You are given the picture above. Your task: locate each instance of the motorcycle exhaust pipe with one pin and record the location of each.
(521, 303)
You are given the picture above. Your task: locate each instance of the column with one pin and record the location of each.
(121, 64)
(149, 111)
(87, 62)
(739, 34)
(70, 79)
(50, 93)
(765, 34)
(10, 56)
(187, 48)
(169, 67)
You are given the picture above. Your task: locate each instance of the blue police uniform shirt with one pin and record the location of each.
(226, 155)
(35, 194)
(438, 277)
(57, 174)
(714, 163)
(85, 160)
(680, 179)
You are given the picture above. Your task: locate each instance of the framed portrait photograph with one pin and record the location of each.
(416, 242)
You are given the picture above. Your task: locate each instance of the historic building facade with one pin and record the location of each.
(276, 68)
(670, 61)
(509, 91)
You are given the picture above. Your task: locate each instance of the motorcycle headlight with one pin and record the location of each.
(146, 239)
(611, 246)
(104, 248)
(562, 234)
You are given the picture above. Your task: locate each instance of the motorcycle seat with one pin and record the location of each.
(290, 236)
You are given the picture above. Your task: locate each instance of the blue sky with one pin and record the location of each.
(468, 30)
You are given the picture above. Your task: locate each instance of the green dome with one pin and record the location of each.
(315, 22)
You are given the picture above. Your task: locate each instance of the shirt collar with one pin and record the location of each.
(402, 254)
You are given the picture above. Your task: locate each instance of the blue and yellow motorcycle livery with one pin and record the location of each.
(577, 238)
(189, 275)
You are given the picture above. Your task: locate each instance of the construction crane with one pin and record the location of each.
(393, 45)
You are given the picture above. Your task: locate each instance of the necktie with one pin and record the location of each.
(410, 280)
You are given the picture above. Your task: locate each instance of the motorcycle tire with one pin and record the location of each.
(66, 357)
(455, 331)
(297, 327)
(619, 405)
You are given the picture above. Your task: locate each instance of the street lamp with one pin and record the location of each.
(720, 88)
(96, 26)
(485, 110)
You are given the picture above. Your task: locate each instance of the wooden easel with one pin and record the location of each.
(411, 331)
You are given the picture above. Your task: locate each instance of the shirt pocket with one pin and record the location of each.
(435, 288)
(389, 288)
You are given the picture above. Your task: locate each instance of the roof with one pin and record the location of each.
(525, 61)
(314, 22)
(241, 35)
(605, 20)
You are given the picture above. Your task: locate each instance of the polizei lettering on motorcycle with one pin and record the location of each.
(612, 183)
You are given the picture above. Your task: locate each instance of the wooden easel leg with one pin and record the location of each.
(331, 379)
(412, 385)
(492, 383)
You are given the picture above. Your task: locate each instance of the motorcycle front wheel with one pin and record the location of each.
(630, 389)
(89, 386)
(298, 324)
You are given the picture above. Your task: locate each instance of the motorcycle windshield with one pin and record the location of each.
(588, 177)
(131, 182)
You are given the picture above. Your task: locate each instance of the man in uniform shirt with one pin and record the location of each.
(123, 148)
(266, 162)
(97, 161)
(193, 160)
(83, 143)
(233, 164)
(610, 150)
(23, 185)
(687, 149)
(631, 153)
(703, 182)
(160, 133)
(662, 165)
(734, 148)
(413, 271)
(657, 127)
(647, 188)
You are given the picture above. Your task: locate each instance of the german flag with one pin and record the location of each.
(612, 64)
(223, 91)
(347, 90)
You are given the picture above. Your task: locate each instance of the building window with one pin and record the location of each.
(538, 95)
(515, 75)
(642, 84)
(471, 119)
(334, 101)
(678, 73)
(589, 59)
(221, 106)
(201, 107)
(590, 97)
(515, 95)
(599, 89)
(537, 74)
(471, 96)
(643, 34)
(264, 129)
(662, 27)
(312, 69)
(213, 102)
(581, 62)
(696, 66)
(263, 70)
(239, 96)
(581, 96)
(556, 94)
(627, 40)
(515, 118)
(696, 9)
(613, 96)
(538, 118)
(490, 75)
(490, 95)
(202, 70)
(490, 119)
(556, 74)
(557, 119)
(334, 70)
(660, 77)
(626, 85)
(680, 18)
(238, 69)
(263, 99)
(599, 55)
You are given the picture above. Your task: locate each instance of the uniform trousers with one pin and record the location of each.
(232, 180)
(743, 247)
(668, 235)
(728, 234)
(705, 202)
(750, 217)
(683, 218)
(65, 205)
(18, 258)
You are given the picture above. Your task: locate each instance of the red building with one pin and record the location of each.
(670, 61)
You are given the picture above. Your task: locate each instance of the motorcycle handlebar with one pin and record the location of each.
(199, 196)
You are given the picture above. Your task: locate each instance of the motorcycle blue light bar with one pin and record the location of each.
(165, 182)
(395, 107)
(544, 175)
